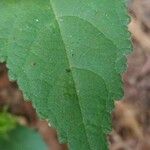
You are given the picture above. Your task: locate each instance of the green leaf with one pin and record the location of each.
(67, 57)
(7, 123)
(22, 138)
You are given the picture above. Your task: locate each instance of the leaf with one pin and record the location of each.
(7, 123)
(67, 57)
(22, 138)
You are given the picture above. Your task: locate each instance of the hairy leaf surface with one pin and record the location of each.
(67, 56)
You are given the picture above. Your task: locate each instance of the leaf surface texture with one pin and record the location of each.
(67, 57)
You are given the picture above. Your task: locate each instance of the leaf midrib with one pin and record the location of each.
(55, 16)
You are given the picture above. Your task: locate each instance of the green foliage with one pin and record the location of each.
(7, 123)
(22, 138)
(67, 56)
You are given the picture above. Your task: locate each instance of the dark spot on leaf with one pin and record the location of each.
(68, 70)
(33, 64)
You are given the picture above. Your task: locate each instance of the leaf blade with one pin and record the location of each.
(55, 47)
